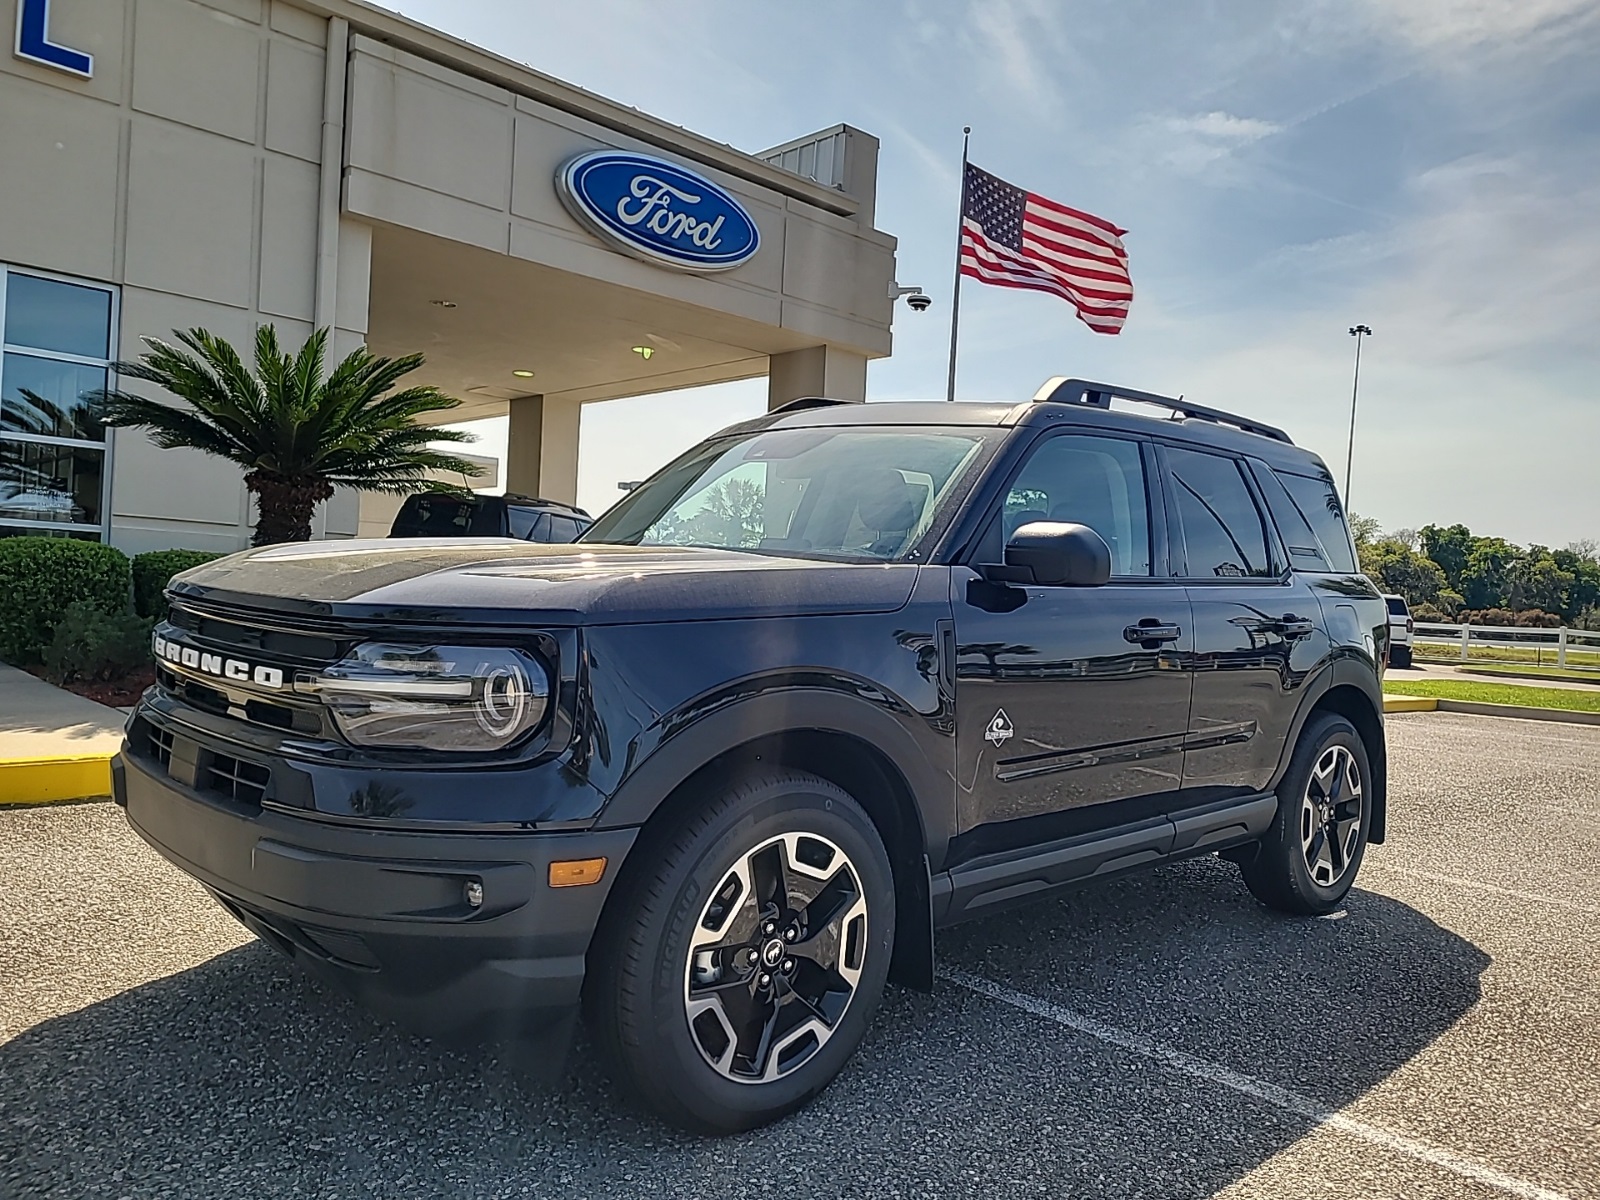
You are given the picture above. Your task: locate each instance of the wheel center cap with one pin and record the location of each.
(772, 953)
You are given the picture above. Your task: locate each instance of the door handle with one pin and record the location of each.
(1291, 626)
(1150, 633)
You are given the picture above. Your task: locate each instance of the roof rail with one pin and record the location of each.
(805, 402)
(1062, 390)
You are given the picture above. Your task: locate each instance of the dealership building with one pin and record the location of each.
(325, 163)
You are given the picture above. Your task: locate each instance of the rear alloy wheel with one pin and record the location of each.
(1307, 861)
(739, 964)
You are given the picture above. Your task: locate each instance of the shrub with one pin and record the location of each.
(91, 644)
(41, 577)
(154, 570)
(1428, 612)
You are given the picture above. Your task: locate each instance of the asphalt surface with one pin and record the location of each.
(1161, 1036)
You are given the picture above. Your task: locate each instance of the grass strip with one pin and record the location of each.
(1565, 699)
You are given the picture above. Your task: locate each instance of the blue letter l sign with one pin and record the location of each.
(34, 44)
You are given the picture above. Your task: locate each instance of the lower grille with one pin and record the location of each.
(238, 780)
(160, 743)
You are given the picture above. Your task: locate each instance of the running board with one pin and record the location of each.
(988, 884)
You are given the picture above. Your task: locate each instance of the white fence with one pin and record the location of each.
(1501, 643)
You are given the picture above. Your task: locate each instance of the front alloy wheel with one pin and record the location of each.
(744, 951)
(775, 958)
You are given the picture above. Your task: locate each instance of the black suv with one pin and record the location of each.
(526, 518)
(837, 676)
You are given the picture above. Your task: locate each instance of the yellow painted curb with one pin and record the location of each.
(1393, 704)
(42, 780)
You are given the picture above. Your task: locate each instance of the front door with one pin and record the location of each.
(1071, 703)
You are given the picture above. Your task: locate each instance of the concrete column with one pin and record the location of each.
(816, 371)
(542, 448)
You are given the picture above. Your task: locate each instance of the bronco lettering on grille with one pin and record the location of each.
(214, 664)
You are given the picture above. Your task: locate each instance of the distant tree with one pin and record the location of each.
(1365, 530)
(1397, 568)
(1409, 538)
(1449, 547)
(1486, 577)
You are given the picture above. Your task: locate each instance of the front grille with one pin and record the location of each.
(240, 781)
(303, 719)
(251, 638)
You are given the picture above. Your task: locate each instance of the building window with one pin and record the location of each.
(59, 343)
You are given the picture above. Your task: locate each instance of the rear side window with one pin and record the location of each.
(1397, 607)
(564, 529)
(1319, 504)
(1224, 536)
(1305, 548)
(529, 524)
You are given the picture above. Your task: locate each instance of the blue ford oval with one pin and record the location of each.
(658, 211)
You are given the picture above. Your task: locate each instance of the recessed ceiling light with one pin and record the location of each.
(443, 303)
(644, 351)
(523, 374)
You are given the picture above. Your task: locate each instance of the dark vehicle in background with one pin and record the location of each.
(836, 677)
(526, 518)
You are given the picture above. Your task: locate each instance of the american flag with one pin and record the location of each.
(1017, 239)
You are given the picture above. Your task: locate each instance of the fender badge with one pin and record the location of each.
(1000, 730)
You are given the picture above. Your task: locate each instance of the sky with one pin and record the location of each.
(1429, 168)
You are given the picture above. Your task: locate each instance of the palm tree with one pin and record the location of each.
(297, 434)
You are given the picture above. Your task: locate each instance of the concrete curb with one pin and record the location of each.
(1520, 711)
(47, 780)
(1402, 704)
(1522, 676)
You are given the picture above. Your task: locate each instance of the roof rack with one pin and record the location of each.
(805, 402)
(1062, 390)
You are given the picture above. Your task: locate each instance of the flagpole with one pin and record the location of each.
(955, 295)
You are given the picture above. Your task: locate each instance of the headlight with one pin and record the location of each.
(461, 698)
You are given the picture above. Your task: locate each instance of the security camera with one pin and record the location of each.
(915, 297)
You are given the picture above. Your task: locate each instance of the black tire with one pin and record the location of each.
(1400, 656)
(1281, 873)
(642, 973)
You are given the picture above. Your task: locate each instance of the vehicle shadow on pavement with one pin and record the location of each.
(239, 1077)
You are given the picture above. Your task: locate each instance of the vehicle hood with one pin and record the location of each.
(501, 581)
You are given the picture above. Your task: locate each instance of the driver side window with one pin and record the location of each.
(1088, 480)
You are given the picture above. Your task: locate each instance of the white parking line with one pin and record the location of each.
(1292, 1102)
(1477, 886)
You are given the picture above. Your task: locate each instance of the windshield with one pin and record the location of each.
(856, 493)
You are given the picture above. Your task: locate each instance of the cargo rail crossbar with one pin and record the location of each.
(1062, 390)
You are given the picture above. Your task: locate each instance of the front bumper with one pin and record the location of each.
(384, 914)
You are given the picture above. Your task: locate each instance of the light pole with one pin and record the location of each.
(1357, 332)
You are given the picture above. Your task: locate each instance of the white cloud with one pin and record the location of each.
(1200, 143)
(1455, 24)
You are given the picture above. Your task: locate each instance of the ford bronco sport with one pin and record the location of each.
(837, 676)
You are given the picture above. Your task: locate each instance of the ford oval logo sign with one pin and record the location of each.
(658, 211)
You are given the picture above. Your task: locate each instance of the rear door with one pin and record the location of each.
(1258, 630)
(1068, 718)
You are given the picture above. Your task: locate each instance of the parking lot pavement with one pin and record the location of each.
(1161, 1036)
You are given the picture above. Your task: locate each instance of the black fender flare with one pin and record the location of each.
(725, 728)
(881, 725)
(1358, 675)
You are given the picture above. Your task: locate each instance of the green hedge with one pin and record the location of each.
(154, 570)
(42, 577)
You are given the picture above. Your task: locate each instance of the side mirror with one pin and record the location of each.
(1058, 554)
